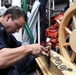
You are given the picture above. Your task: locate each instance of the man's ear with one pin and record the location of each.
(9, 16)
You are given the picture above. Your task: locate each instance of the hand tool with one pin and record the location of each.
(48, 57)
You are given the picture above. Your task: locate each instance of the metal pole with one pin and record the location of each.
(49, 11)
(53, 4)
(38, 27)
(10, 1)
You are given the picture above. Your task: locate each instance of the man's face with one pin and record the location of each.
(14, 25)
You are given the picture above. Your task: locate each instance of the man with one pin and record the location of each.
(12, 54)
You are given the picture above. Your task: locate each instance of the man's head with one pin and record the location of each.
(13, 19)
(16, 12)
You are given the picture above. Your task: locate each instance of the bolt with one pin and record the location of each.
(58, 62)
(62, 67)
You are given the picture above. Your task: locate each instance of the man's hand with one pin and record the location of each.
(39, 49)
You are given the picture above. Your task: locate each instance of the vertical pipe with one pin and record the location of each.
(10, 1)
(53, 4)
(38, 27)
(49, 11)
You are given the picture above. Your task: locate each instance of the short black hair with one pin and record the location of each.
(16, 12)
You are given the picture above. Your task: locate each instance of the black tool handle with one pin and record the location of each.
(49, 61)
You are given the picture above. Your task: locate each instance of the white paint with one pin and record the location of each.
(16, 2)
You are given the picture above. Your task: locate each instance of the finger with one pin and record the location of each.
(51, 54)
(44, 53)
(44, 49)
